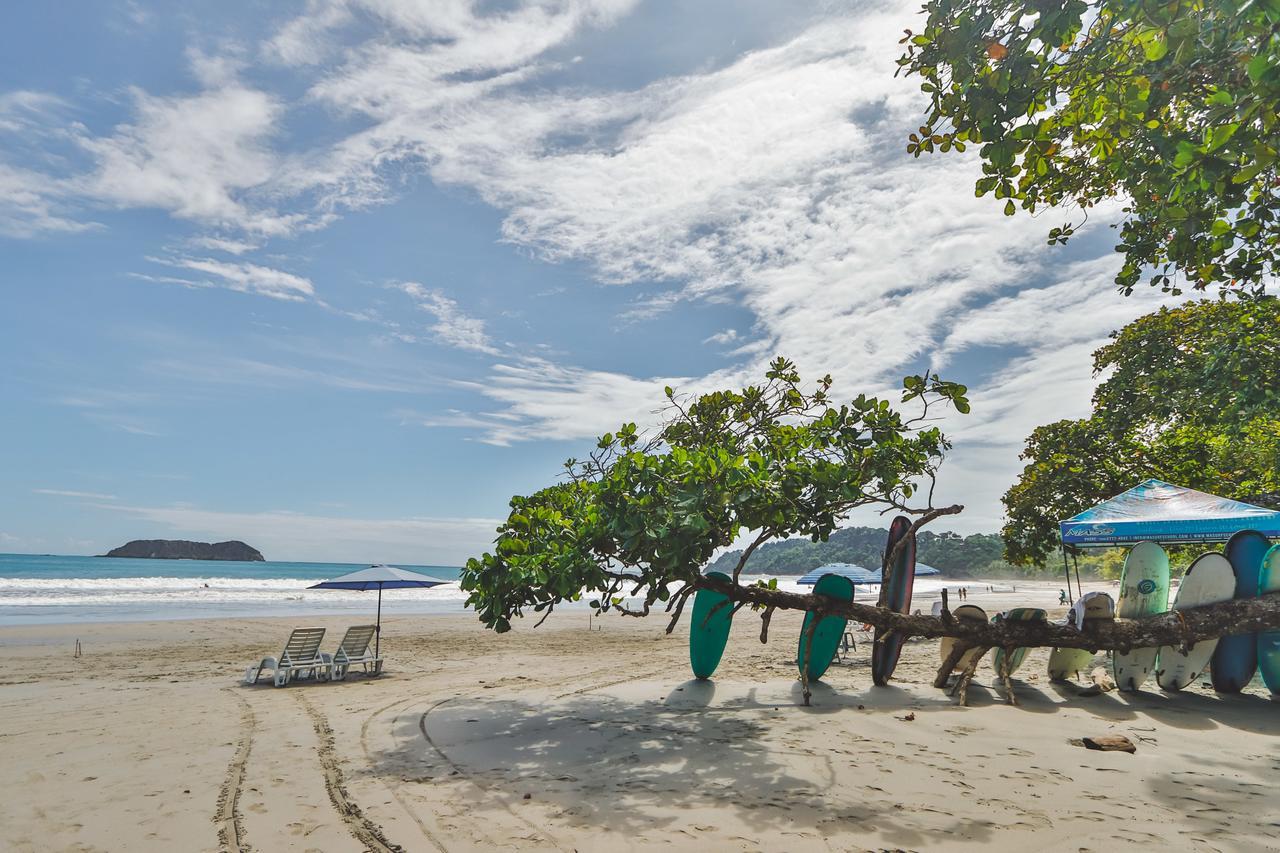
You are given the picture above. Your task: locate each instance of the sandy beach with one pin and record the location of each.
(565, 738)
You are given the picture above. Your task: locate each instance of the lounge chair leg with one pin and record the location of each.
(282, 677)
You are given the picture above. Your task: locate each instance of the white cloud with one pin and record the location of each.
(548, 401)
(452, 327)
(282, 535)
(24, 110)
(29, 205)
(225, 244)
(68, 493)
(197, 156)
(240, 276)
(728, 336)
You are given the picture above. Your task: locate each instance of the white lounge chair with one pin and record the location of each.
(301, 655)
(354, 651)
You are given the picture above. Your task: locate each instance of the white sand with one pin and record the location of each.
(148, 742)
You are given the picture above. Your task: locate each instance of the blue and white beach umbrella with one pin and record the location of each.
(380, 578)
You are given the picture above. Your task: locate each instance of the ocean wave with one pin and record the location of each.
(17, 591)
(20, 591)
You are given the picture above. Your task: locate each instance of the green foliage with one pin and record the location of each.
(1170, 105)
(640, 515)
(1191, 397)
(954, 554)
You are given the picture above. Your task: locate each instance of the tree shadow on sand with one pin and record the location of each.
(638, 764)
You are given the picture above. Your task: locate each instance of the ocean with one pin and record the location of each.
(51, 589)
(45, 589)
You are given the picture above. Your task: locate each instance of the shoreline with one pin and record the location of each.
(36, 601)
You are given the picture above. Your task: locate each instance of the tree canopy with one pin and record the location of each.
(1172, 106)
(864, 546)
(774, 460)
(1191, 397)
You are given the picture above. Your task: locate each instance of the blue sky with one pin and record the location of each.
(339, 277)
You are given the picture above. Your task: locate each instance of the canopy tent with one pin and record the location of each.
(857, 574)
(380, 578)
(1157, 511)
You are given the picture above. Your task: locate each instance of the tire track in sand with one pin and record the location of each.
(395, 789)
(365, 831)
(471, 778)
(227, 817)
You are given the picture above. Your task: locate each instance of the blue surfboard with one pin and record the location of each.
(1269, 641)
(1236, 659)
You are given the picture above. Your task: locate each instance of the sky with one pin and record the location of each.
(339, 277)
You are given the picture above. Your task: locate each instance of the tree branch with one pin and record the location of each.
(750, 549)
(925, 517)
(1241, 616)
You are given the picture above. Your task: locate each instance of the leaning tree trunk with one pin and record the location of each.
(1175, 628)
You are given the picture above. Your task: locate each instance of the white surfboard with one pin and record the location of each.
(1091, 607)
(1144, 591)
(967, 612)
(1209, 580)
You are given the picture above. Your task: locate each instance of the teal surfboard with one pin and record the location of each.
(1235, 660)
(1008, 664)
(708, 637)
(828, 633)
(1144, 591)
(1269, 641)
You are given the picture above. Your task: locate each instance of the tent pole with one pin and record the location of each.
(377, 631)
(1067, 570)
(1076, 562)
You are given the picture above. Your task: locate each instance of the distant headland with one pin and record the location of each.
(181, 549)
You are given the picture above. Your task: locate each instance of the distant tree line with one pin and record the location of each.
(978, 554)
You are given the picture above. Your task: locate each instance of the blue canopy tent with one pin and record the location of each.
(857, 574)
(380, 578)
(1156, 511)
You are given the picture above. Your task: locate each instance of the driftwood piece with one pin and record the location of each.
(1239, 616)
(1109, 743)
(962, 683)
(949, 665)
(1006, 677)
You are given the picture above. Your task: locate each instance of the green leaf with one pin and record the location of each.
(1186, 155)
(1154, 46)
(1258, 67)
(1221, 134)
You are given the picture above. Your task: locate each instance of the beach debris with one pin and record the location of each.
(1109, 743)
(1102, 679)
(909, 717)
(527, 797)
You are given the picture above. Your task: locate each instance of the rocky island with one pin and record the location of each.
(182, 549)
